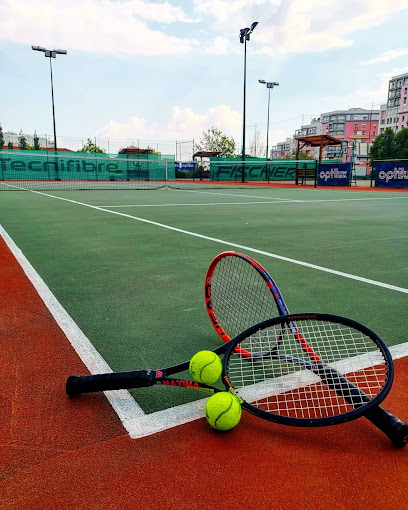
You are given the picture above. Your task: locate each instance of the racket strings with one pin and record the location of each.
(240, 296)
(289, 384)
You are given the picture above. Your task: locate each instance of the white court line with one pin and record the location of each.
(289, 200)
(177, 205)
(256, 202)
(231, 194)
(135, 421)
(235, 245)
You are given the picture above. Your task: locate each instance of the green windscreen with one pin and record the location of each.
(257, 169)
(73, 170)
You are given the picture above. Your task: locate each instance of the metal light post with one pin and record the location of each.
(269, 85)
(243, 38)
(51, 54)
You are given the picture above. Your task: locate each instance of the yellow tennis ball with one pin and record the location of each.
(205, 367)
(223, 411)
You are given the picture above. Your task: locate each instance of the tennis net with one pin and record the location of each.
(49, 171)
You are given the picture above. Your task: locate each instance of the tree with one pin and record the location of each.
(10, 145)
(214, 140)
(401, 143)
(301, 155)
(90, 146)
(257, 146)
(384, 146)
(1, 138)
(36, 146)
(22, 141)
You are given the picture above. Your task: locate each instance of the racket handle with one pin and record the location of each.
(394, 428)
(115, 381)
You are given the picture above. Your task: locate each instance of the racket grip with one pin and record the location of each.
(76, 385)
(394, 428)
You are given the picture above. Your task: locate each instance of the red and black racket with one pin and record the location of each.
(239, 293)
(334, 371)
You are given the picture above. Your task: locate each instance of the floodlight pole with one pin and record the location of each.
(53, 109)
(244, 37)
(51, 54)
(269, 86)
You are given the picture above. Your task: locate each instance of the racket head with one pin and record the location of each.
(286, 388)
(239, 293)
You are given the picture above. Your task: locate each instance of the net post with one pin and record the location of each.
(166, 176)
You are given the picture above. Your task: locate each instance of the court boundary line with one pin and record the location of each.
(136, 422)
(231, 244)
(122, 402)
(206, 204)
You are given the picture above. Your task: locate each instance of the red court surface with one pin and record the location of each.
(58, 453)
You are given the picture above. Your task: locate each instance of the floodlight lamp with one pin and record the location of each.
(253, 26)
(262, 81)
(61, 52)
(37, 48)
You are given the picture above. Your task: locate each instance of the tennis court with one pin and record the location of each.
(128, 267)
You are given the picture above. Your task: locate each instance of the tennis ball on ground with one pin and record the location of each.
(205, 367)
(223, 411)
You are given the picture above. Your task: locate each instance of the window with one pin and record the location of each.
(364, 125)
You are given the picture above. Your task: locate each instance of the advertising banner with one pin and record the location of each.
(256, 169)
(185, 166)
(391, 174)
(334, 174)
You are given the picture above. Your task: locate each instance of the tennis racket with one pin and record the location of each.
(334, 371)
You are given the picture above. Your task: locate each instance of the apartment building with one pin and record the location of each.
(314, 128)
(352, 125)
(395, 114)
(9, 136)
(283, 149)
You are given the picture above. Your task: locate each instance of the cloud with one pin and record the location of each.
(184, 124)
(145, 27)
(298, 26)
(102, 26)
(222, 46)
(386, 56)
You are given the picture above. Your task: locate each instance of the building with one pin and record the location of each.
(283, 149)
(314, 128)
(396, 116)
(9, 136)
(45, 144)
(352, 125)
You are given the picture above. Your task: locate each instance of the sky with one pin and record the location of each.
(159, 73)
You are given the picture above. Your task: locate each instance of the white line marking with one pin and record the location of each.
(256, 202)
(289, 200)
(230, 194)
(121, 401)
(177, 205)
(240, 246)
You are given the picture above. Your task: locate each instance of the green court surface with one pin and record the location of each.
(136, 288)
